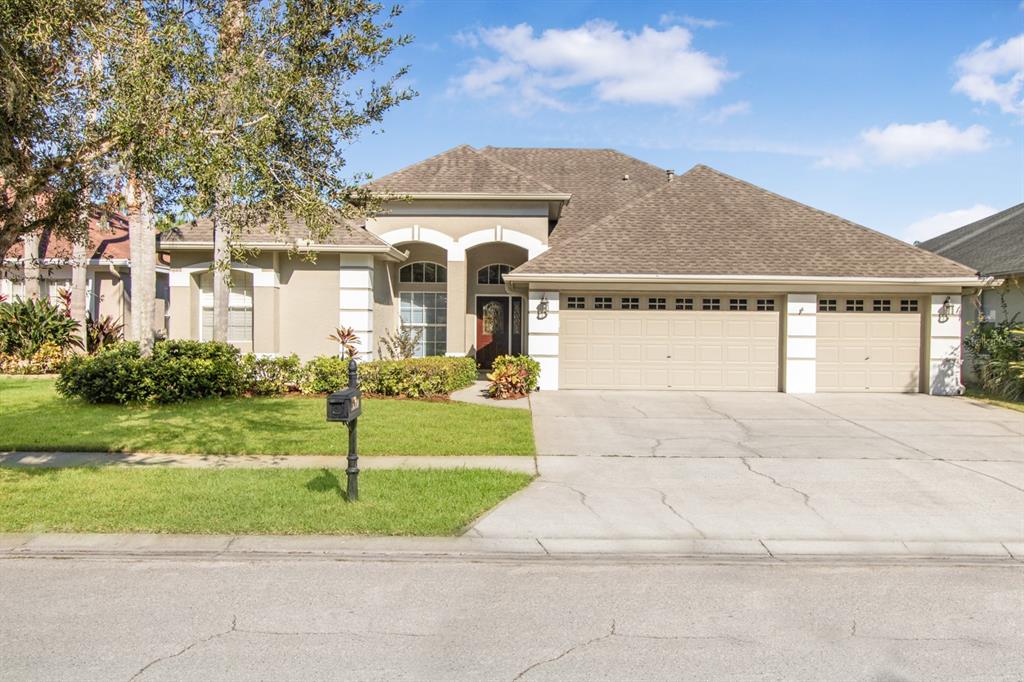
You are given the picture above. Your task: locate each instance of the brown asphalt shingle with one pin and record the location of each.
(460, 170)
(343, 234)
(594, 177)
(708, 223)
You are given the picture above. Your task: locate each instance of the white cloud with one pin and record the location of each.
(671, 18)
(649, 67)
(994, 74)
(722, 114)
(908, 144)
(937, 224)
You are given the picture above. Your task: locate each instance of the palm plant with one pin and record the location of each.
(347, 339)
(26, 325)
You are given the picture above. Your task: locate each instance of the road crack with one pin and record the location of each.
(184, 650)
(575, 647)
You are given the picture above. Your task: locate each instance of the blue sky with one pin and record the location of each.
(905, 117)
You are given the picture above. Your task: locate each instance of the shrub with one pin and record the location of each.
(271, 375)
(177, 370)
(25, 325)
(513, 376)
(400, 345)
(997, 353)
(116, 374)
(46, 360)
(409, 378)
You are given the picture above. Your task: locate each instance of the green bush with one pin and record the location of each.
(409, 378)
(996, 350)
(116, 374)
(271, 375)
(26, 325)
(513, 376)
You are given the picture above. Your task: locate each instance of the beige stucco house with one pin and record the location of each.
(612, 273)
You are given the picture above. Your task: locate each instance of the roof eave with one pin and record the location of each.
(481, 196)
(384, 250)
(576, 278)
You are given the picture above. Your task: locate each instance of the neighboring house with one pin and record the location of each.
(108, 279)
(993, 246)
(613, 273)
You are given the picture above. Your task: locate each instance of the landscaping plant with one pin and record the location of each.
(400, 345)
(265, 375)
(409, 378)
(347, 339)
(102, 332)
(996, 350)
(513, 376)
(26, 325)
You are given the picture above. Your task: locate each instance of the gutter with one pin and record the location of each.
(485, 196)
(570, 278)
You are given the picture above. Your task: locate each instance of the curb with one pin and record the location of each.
(340, 548)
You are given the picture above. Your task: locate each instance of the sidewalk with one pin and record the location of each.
(526, 465)
(341, 548)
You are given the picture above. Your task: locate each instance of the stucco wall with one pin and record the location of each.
(309, 305)
(457, 219)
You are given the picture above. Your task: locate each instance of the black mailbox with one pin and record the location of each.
(344, 405)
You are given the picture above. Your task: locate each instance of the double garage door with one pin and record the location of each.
(731, 343)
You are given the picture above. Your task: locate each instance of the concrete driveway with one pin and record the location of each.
(717, 467)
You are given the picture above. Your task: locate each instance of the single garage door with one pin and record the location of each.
(717, 342)
(870, 343)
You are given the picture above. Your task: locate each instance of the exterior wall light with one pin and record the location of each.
(542, 307)
(946, 310)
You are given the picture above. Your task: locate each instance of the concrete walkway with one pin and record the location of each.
(72, 459)
(477, 394)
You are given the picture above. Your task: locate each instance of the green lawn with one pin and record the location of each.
(248, 501)
(34, 417)
(1008, 404)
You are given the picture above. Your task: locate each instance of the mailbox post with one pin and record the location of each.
(346, 406)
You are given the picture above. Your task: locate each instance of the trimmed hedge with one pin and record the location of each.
(410, 378)
(188, 370)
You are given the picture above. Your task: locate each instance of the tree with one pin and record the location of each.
(47, 150)
(280, 88)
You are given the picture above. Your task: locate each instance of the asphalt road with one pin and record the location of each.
(450, 619)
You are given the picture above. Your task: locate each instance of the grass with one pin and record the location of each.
(1001, 402)
(248, 501)
(34, 417)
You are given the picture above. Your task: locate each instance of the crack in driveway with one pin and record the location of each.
(582, 495)
(982, 473)
(664, 501)
(804, 496)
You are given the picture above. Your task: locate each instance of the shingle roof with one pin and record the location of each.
(594, 177)
(343, 234)
(462, 170)
(992, 245)
(708, 223)
(108, 239)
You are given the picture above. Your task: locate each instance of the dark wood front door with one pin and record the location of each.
(492, 329)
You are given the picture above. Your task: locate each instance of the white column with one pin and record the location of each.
(944, 345)
(801, 343)
(542, 336)
(356, 300)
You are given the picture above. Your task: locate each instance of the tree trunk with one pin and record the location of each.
(231, 30)
(79, 288)
(144, 276)
(31, 265)
(133, 211)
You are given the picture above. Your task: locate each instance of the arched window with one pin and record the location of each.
(493, 274)
(423, 273)
(239, 307)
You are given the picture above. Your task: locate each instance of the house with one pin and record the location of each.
(108, 278)
(613, 273)
(994, 246)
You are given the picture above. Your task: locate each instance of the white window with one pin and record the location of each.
(492, 274)
(576, 302)
(239, 307)
(602, 303)
(908, 305)
(766, 305)
(684, 304)
(827, 305)
(882, 305)
(630, 303)
(711, 304)
(737, 304)
(426, 311)
(855, 305)
(656, 304)
(423, 272)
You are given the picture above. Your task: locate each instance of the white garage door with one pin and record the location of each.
(733, 345)
(869, 344)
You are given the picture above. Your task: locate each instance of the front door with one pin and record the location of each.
(492, 329)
